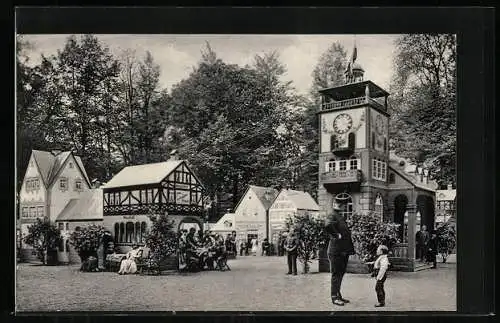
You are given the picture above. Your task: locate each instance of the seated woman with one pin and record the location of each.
(129, 265)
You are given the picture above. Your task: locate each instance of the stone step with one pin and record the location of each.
(422, 266)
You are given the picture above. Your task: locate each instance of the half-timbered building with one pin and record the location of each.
(136, 192)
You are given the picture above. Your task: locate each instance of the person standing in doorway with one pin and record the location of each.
(422, 238)
(291, 246)
(255, 246)
(340, 247)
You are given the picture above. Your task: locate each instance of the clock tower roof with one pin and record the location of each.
(354, 90)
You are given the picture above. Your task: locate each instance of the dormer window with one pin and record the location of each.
(32, 164)
(63, 184)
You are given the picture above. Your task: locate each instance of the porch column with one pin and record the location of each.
(411, 209)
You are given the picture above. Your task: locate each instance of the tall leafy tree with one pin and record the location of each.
(423, 124)
(87, 82)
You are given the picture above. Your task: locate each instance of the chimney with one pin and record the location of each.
(55, 152)
(96, 183)
(450, 187)
(173, 155)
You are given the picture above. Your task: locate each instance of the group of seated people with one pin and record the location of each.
(208, 246)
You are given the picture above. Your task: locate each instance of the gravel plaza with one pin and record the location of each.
(253, 284)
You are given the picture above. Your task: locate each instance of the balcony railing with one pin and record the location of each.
(341, 176)
(351, 102)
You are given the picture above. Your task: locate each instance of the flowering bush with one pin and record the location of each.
(43, 236)
(368, 232)
(310, 234)
(86, 241)
(162, 240)
(447, 240)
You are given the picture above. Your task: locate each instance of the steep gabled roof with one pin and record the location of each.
(260, 191)
(49, 166)
(88, 207)
(143, 174)
(302, 200)
(44, 161)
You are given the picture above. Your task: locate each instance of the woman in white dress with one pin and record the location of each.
(129, 265)
(255, 246)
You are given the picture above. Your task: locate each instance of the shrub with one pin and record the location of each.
(368, 232)
(162, 239)
(447, 240)
(310, 234)
(43, 236)
(86, 241)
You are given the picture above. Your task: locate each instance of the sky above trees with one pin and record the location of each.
(178, 54)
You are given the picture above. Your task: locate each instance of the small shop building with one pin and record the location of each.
(288, 204)
(251, 215)
(225, 225)
(445, 204)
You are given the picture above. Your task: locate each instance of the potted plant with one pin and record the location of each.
(86, 241)
(368, 232)
(447, 240)
(44, 237)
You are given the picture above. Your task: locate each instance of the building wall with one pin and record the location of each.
(29, 199)
(58, 198)
(250, 217)
(358, 116)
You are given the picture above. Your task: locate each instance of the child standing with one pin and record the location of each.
(381, 266)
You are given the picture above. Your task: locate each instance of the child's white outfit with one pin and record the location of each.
(381, 266)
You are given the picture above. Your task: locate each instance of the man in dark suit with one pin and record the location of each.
(291, 245)
(422, 238)
(339, 249)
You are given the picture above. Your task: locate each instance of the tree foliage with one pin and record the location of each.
(86, 241)
(423, 103)
(368, 232)
(309, 231)
(43, 236)
(162, 240)
(447, 239)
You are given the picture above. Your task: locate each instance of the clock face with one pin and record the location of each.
(342, 123)
(379, 124)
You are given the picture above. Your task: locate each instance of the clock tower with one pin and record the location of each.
(354, 139)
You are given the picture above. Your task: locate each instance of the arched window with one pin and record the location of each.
(137, 232)
(117, 232)
(143, 232)
(392, 178)
(334, 143)
(373, 140)
(345, 201)
(352, 140)
(129, 232)
(379, 207)
(122, 233)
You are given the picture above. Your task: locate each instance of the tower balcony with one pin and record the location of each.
(363, 100)
(341, 176)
